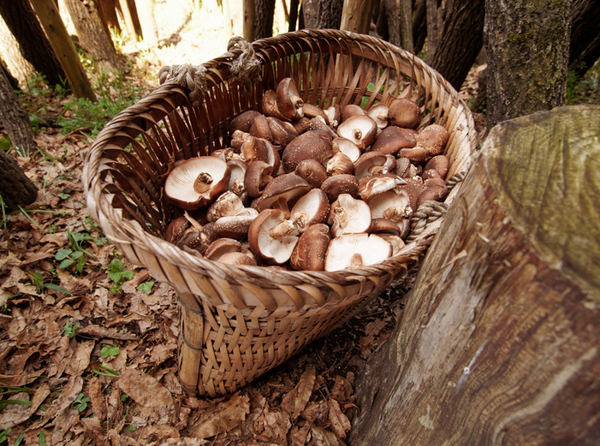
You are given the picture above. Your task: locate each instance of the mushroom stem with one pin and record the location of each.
(282, 204)
(238, 187)
(397, 213)
(356, 260)
(202, 182)
(358, 134)
(283, 229)
(301, 220)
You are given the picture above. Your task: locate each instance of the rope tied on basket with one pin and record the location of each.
(245, 68)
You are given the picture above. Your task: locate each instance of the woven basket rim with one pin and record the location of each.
(131, 232)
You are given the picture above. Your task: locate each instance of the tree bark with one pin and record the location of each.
(17, 65)
(357, 16)
(584, 44)
(145, 12)
(249, 20)
(107, 10)
(406, 14)
(499, 342)
(35, 46)
(460, 41)
(265, 9)
(435, 22)
(419, 25)
(14, 117)
(130, 17)
(528, 52)
(63, 47)
(15, 187)
(321, 14)
(92, 35)
(294, 6)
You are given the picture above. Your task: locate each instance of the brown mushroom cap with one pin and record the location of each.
(404, 113)
(392, 139)
(221, 246)
(176, 229)
(312, 111)
(349, 216)
(355, 251)
(314, 144)
(258, 176)
(253, 149)
(430, 142)
(260, 128)
(312, 171)
(310, 209)
(361, 130)
(340, 184)
(235, 226)
(309, 253)
(197, 182)
(238, 258)
(333, 115)
(382, 226)
(289, 102)
(340, 164)
(282, 193)
(440, 164)
(350, 110)
(272, 250)
(243, 121)
(283, 132)
(433, 189)
(236, 178)
(268, 105)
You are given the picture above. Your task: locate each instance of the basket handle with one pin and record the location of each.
(245, 69)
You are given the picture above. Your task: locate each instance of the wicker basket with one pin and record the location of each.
(239, 322)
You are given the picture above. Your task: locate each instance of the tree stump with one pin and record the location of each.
(499, 342)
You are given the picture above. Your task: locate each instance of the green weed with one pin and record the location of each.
(118, 274)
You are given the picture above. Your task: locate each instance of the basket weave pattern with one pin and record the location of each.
(239, 322)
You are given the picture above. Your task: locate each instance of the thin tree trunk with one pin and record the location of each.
(15, 187)
(435, 22)
(92, 35)
(357, 16)
(499, 342)
(35, 46)
(63, 47)
(249, 20)
(528, 53)
(406, 13)
(107, 10)
(320, 14)
(130, 17)
(265, 9)
(145, 12)
(419, 26)
(17, 65)
(584, 46)
(294, 5)
(460, 42)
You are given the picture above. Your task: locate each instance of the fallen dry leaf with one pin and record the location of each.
(273, 426)
(68, 395)
(339, 422)
(15, 414)
(148, 393)
(225, 416)
(295, 401)
(80, 360)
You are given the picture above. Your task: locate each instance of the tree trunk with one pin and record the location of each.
(130, 17)
(406, 14)
(107, 10)
(499, 342)
(357, 15)
(584, 44)
(63, 47)
(265, 9)
(294, 5)
(92, 35)
(419, 26)
(460, 42)
(17, 65)
(435, 22)
(528, 52)
(321, 14)
(145, 12)
(15, 188)
(35, 46)
(13, 116)
(249, 20)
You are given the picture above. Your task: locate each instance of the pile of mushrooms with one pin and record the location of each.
(307, 188)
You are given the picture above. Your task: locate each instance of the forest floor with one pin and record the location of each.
(88, 342)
